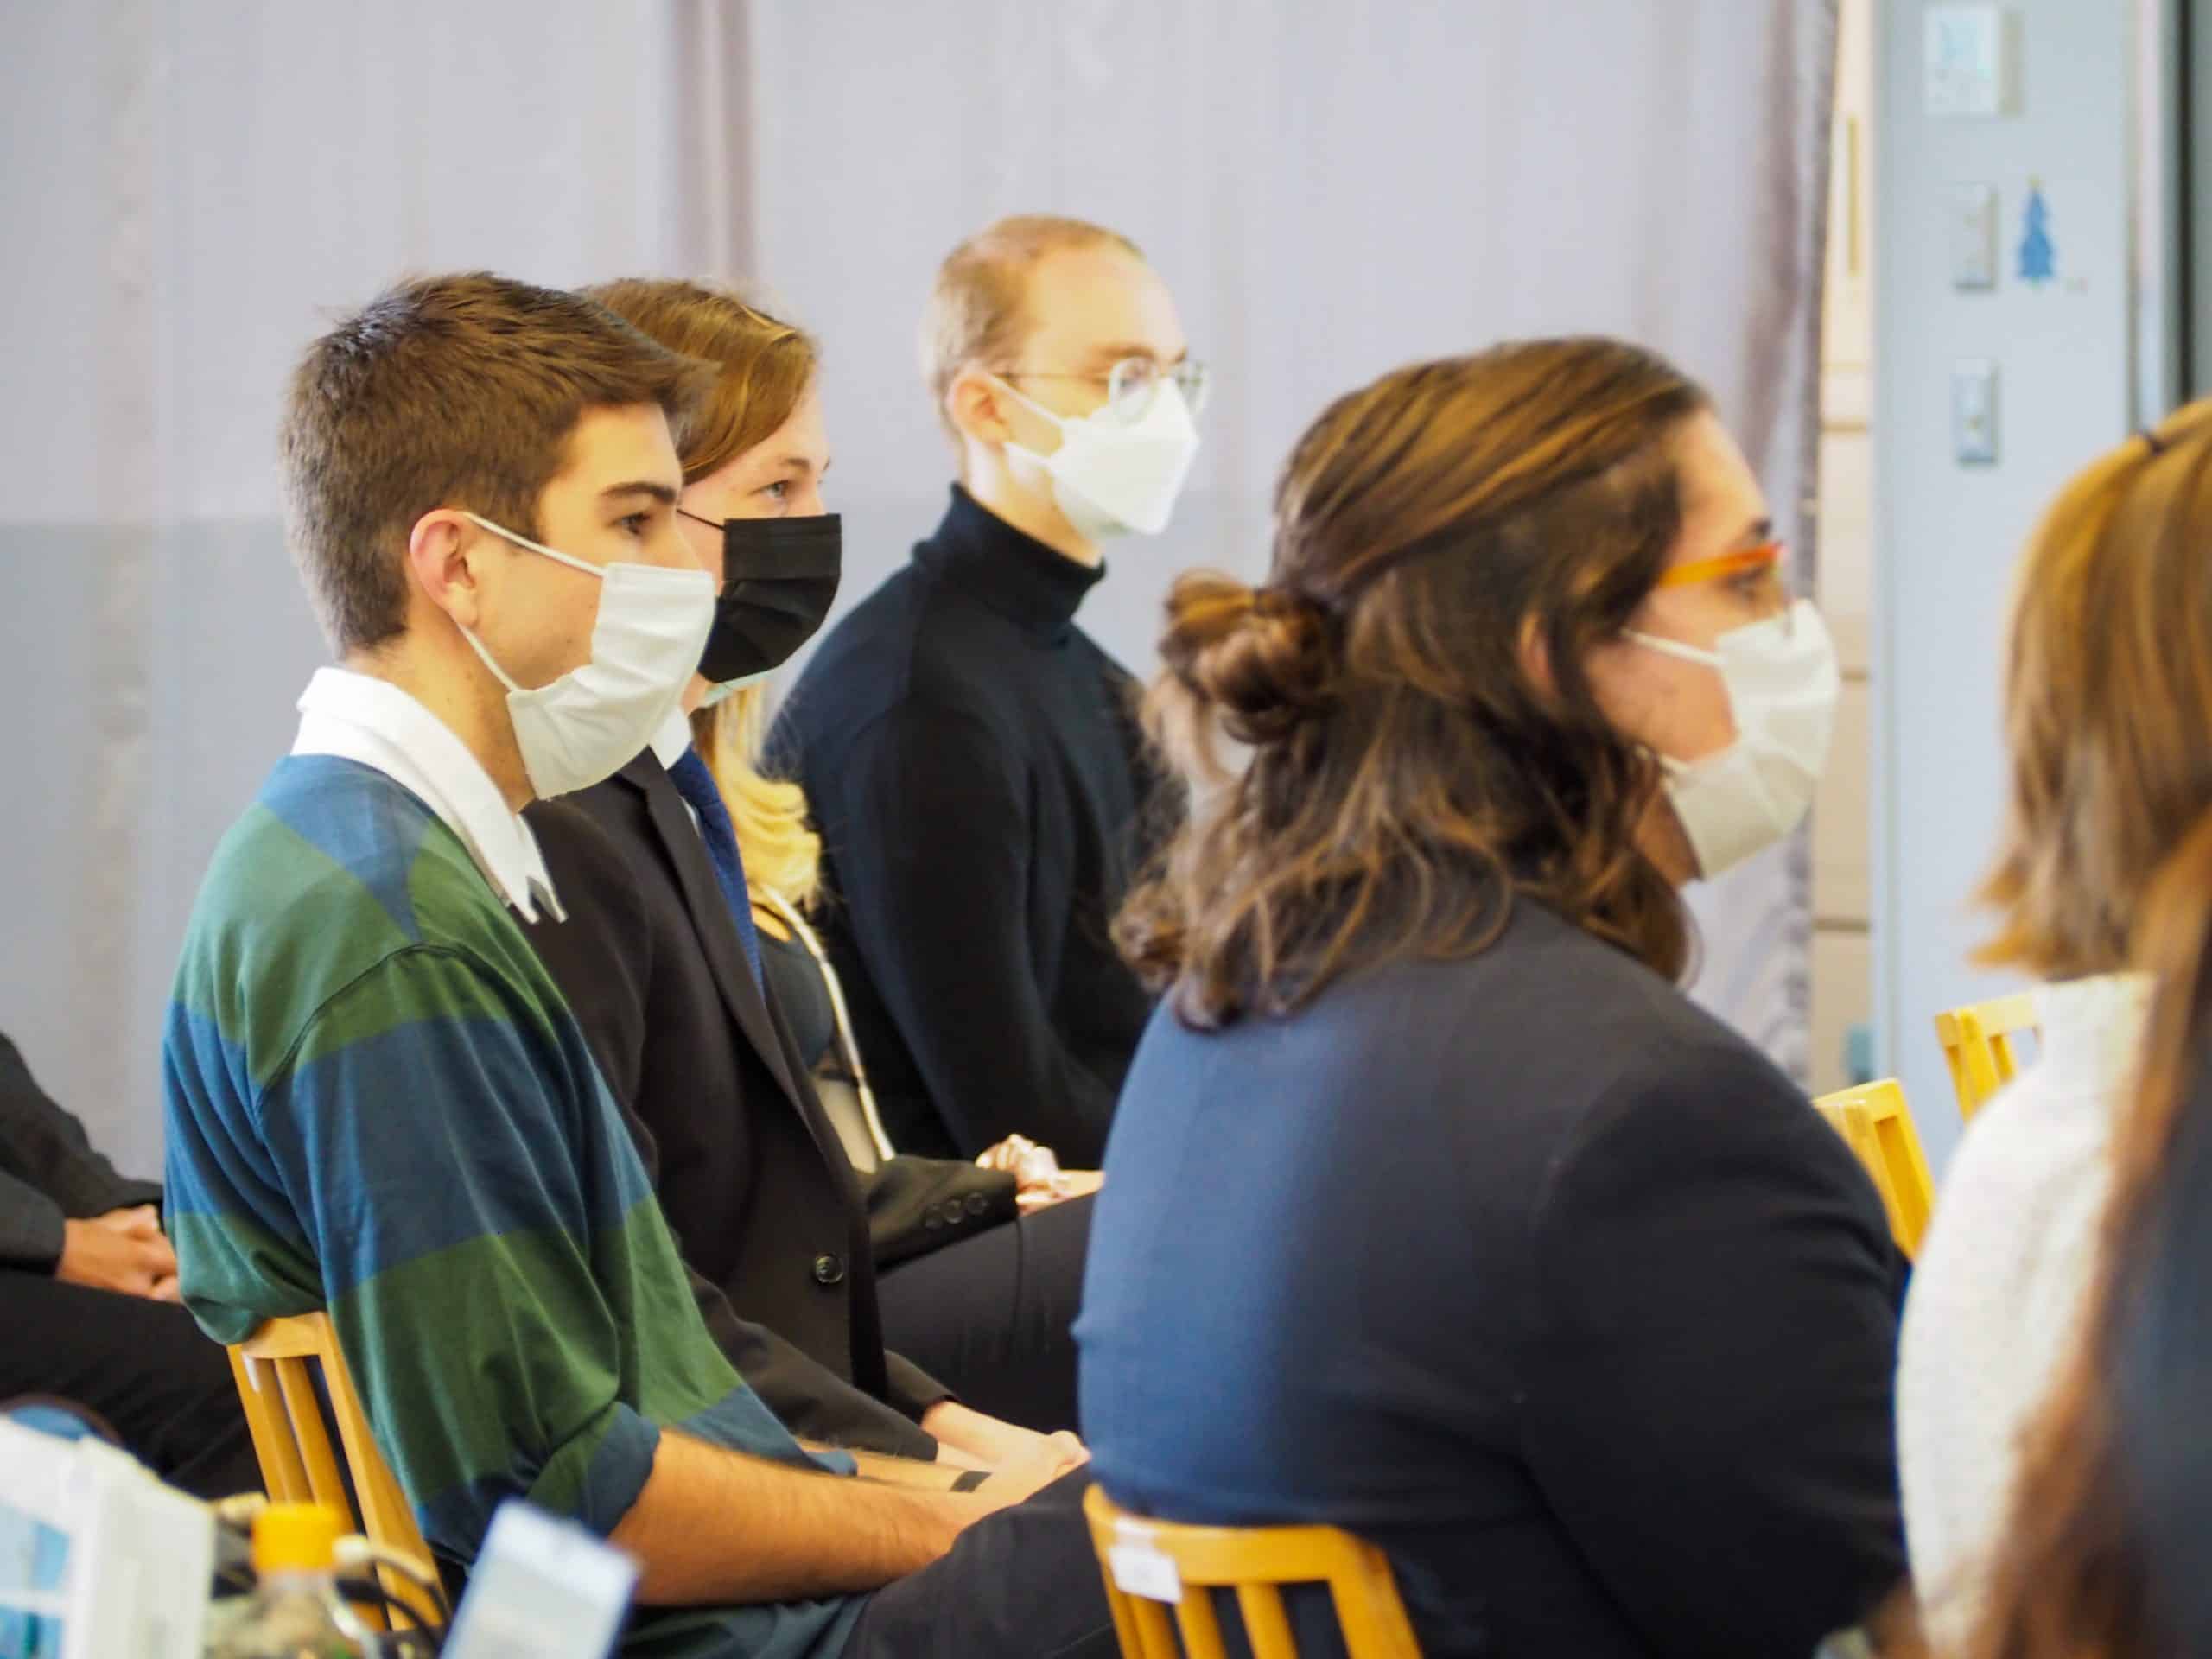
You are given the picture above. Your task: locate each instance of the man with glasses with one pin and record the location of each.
(972, 756)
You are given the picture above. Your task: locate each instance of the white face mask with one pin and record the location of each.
(1108, 476)
(594, 719)
(1782, 683)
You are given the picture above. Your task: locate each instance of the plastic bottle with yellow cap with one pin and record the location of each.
(296, 1613)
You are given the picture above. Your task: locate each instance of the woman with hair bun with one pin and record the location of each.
(1435, 1210)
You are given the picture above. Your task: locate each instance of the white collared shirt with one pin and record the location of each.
(357, 717)
(2002, 1284)
(670, 744)
(673, 737)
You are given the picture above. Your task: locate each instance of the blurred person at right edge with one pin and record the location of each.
(2102, 1556)
(2108, 729)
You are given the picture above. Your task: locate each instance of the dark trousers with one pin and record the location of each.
(1022, 1585)
(988, 1317)
(142, 1366)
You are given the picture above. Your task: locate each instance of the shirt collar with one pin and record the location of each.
(357, 717)
(1011, 571)
(673, 737)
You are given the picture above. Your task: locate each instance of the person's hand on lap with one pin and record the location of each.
(984, 1442)
(122, 1250)
(1038, 1179)
(1053, 1456)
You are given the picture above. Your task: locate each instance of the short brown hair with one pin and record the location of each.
(2109, 701)
(458, 390)
(978, 311)
(1408, 774)
(766, 364)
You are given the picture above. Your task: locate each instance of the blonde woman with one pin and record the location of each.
(662, 961)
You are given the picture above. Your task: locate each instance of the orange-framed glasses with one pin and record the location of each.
(1765, 556)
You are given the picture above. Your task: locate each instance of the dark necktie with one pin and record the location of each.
(696, 785)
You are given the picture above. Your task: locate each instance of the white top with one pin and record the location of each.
(356, 717)
(1998, 1293)
(673, 737)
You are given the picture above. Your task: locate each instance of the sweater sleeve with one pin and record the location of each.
(31, 1227)
(933, 860)
(417, 1132)
(1708, 1387)
(50, 1158)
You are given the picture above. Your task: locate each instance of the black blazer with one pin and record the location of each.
(49, 1171)
(772, 1221)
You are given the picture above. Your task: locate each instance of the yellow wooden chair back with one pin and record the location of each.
(1877, 1124)
(274, 1368)
(1978, 1045)
(1150, 1565)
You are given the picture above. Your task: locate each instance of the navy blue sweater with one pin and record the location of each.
(973, 763)
(1526, 1269)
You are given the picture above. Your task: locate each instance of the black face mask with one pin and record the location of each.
(779, 577)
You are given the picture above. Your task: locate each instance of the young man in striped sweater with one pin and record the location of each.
(379, 1103)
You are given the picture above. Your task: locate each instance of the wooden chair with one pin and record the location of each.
(275, 1369)
(1876, 1123)
(1978, 1046)
(1149, 1565)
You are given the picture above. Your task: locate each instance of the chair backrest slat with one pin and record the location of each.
(281, 1471)
(1201, 1627)
(305, 1411)
(1155, 1633)
(1265, 1622)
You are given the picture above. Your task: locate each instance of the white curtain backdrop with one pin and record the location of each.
(190, 190)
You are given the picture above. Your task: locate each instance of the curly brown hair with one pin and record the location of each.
(1451, 542)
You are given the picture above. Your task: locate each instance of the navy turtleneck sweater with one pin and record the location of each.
(973, 762)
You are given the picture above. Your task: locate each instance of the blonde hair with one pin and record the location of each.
(775, 837)
(2107, 702)
(978, 311)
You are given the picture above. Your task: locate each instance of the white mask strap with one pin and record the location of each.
(498, 673)
(1021, 397)
(555, 554)
(1675, 648)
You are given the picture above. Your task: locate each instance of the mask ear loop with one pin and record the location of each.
(1675, 648)
(553, 553)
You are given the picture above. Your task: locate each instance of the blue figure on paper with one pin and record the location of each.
(2038, 259)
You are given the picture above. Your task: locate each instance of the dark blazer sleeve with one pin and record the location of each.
(908, 1199)
(607, 945)
(939, 912)
(1708, 1391)
(48, 1171)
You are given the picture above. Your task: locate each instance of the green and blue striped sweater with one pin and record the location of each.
(378, 1104)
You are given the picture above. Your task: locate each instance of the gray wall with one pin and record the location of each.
(1947, 535)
